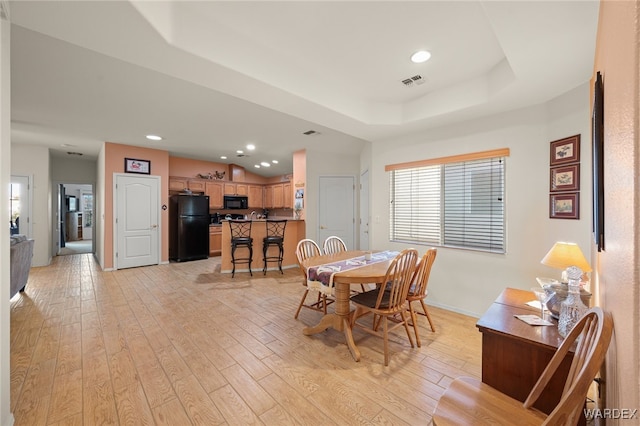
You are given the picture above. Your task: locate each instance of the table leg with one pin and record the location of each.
(340, 320)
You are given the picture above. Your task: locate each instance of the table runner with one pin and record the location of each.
(320, 277)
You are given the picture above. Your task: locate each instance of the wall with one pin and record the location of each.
(187, 167)
(6, 418)
(617, 58)
(114, 155)
(468, 281)
(31, 160)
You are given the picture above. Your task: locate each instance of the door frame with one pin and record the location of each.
(25, 224)
(116, 240)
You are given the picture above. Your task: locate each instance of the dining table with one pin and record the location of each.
(372, 271)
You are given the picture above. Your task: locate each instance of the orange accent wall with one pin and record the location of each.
(114, 163)
(190, 168)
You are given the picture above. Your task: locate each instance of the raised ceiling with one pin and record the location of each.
(212, 76)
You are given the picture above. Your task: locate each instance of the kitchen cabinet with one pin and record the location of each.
(215, 241)
(178, 184)
(236, 189)
(268, 197)
(215, 192)
(288, 195)
(278, 196)
(197, 185)
(242, 189)
(255, 196)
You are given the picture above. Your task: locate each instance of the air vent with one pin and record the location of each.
(415, 80)
(310, 132)
(74, 153)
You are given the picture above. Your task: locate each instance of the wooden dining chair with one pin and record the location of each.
(468, 401)
(305, 249)
(388, 300)
(333, 244)
(418, 290)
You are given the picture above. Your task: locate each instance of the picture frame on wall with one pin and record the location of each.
(564, 178)
(564, 206)
(565, 151)
(132, 165)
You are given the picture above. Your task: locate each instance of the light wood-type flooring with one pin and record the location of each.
(179, 344)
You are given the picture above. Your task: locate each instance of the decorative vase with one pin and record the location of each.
(572, 308)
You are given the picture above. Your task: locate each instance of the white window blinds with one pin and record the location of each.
(453, 203)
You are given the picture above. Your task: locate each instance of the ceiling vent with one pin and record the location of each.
(310, 132)
(74, 153)
(415, 80)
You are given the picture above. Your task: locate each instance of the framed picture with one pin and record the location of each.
(597, 126)
(565, 151)
(564, 206)
(565, 178)
(131, 165)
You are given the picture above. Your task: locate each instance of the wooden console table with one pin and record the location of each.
(514, 353)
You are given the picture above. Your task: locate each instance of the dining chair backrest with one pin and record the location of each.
(305, 249)
(398, 280)
(333, 244)
(420, 279)
(593, 335)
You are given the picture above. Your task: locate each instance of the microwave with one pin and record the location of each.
(236, 202)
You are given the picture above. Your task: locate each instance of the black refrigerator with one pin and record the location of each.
(188, 227)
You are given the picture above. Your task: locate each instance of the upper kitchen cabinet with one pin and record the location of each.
(197, 185)
(215, 192)
(236, 188)
(178, 184)
(255, 197)
(288, 195)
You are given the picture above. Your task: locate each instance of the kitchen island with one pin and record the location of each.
(294, 232)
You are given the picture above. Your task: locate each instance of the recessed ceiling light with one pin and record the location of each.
(274, 161)
(257, 166)
(251, 147)
(67, 145)
(154, 137)
(420, 56)
(265, 164)
(239, 151)
(223, 157)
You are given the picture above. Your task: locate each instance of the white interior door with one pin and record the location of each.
(364, 211)
(337, 207)
(136, 206)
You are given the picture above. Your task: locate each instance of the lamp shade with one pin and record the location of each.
(562, 255)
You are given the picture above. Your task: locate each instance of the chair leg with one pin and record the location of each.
(414, 320)
(426, 313)
(385, 332)
(304, 296)
(405, 322)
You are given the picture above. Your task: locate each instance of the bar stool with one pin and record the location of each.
(274, 237)
(241, 237)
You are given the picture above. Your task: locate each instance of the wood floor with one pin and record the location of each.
(176, 345)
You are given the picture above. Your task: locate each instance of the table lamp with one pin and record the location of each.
(563, 255)
(569, 258)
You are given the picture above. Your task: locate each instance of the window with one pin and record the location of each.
(453, 202)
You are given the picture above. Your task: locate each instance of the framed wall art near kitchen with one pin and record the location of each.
(132, 165)
(564, 206)
(565, 151)
(564, 178)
